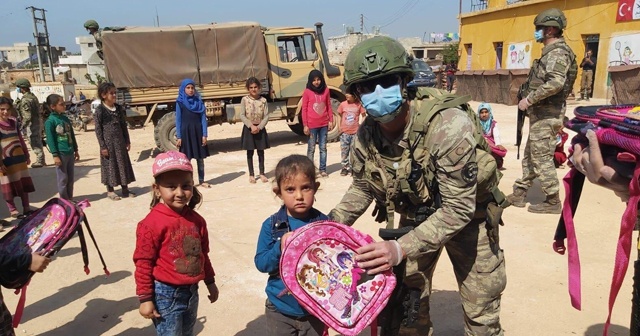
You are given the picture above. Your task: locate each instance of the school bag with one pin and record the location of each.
(618, 131)
(318, 267)
(46, 231)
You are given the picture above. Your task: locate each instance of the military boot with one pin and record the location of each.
(551, 205)
(518, 198)
(581, 97)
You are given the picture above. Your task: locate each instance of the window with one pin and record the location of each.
(90, 45)
(297, 48)
(469, 55)
(498, 48)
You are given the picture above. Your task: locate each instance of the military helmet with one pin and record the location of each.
(91, 24)
(23, 83)
(551, 17)
(376, 57)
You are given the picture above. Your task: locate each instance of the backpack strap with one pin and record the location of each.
(17, 316)
(83, 246)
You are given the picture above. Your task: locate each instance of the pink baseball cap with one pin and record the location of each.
(171, 160)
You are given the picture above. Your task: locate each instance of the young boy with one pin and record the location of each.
(33, 262)
(350, 111)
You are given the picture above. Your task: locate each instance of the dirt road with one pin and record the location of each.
(64, 301)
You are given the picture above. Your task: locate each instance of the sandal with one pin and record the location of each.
(263, 178)
(15, 214)
(204, 185)
(26, 214)
(128, 194)
(252, 179)
(113, 196)
(324, 174)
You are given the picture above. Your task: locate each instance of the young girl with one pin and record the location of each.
(491, 133)
(172, 250)
(254, 115)
(191, 127)
(317, 117)
(296, 186)
(14, 171)
(113, 138)
(350, 111)
(62, 144)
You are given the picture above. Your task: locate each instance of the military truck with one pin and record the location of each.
(147, 65)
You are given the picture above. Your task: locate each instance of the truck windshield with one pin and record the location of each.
(421, 66)
(297, 48)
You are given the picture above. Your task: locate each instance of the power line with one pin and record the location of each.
(402, 14)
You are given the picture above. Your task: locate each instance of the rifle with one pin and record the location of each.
(521, 115)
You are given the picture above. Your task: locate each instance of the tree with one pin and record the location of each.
(451, 53)
(99, 79)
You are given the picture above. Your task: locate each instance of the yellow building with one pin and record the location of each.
(498, 34)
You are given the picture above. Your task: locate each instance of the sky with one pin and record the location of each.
(65, 18)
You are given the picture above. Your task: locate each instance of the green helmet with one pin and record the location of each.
(551, 17)
(23, 83)
(91, 24)
(375, 57)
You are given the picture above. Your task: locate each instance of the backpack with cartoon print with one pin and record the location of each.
(318, 268)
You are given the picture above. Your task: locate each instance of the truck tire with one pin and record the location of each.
(334, 134)
(299, 127)
(165, 132)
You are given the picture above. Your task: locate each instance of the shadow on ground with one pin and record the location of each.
(71, 293)
(256, 327)
(596, 330)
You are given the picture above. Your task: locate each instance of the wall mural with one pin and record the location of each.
(519, 56)
(624, 49)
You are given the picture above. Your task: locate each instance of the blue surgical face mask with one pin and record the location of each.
(538, 35)
(382, 103)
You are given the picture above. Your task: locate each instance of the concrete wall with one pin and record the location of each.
(514, 24)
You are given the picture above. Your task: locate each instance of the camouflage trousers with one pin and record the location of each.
(345, 148)
(479, 268)
(35, 140)
(538, 154)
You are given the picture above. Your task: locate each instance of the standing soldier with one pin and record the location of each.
(93, 28)
(550, 82)
(588, 65)
(415, 155)
(29, 111)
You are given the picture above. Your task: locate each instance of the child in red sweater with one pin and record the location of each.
(172, 250)
(317, 117)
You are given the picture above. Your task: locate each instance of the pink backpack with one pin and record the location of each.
(46, 230)
(618, 131)
(318, 267)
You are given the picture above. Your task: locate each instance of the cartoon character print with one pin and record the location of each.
(191, 263)
(313, 280)
(349, 278)
(627, 55)
(322, 259)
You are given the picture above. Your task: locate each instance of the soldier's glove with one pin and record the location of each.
(380, 256)
(524, 104)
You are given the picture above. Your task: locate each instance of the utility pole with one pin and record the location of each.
(42, 40)
(157, 17)
(361, 23)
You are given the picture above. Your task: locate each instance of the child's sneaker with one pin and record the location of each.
(344, 172)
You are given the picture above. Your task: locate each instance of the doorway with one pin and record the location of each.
(498, 48)
(591, 42)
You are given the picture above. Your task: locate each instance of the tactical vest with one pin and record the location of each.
(536, 76)
(410, 185)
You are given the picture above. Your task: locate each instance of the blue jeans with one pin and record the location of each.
(178, 309)
(320, 134)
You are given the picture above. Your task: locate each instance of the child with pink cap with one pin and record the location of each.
(172, 249)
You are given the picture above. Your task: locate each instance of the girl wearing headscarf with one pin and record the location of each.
(491, 133)
(191, 127)
(317, 117)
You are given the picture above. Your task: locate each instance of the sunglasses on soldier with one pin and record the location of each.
(385, 82)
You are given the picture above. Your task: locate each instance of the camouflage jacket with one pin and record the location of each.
(450, 142)
(29, 110)
(98, 36)
(551, 77)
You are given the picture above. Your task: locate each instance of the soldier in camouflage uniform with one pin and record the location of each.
(29, 110)
(550, 82)
(93, 28)
(377, 71)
